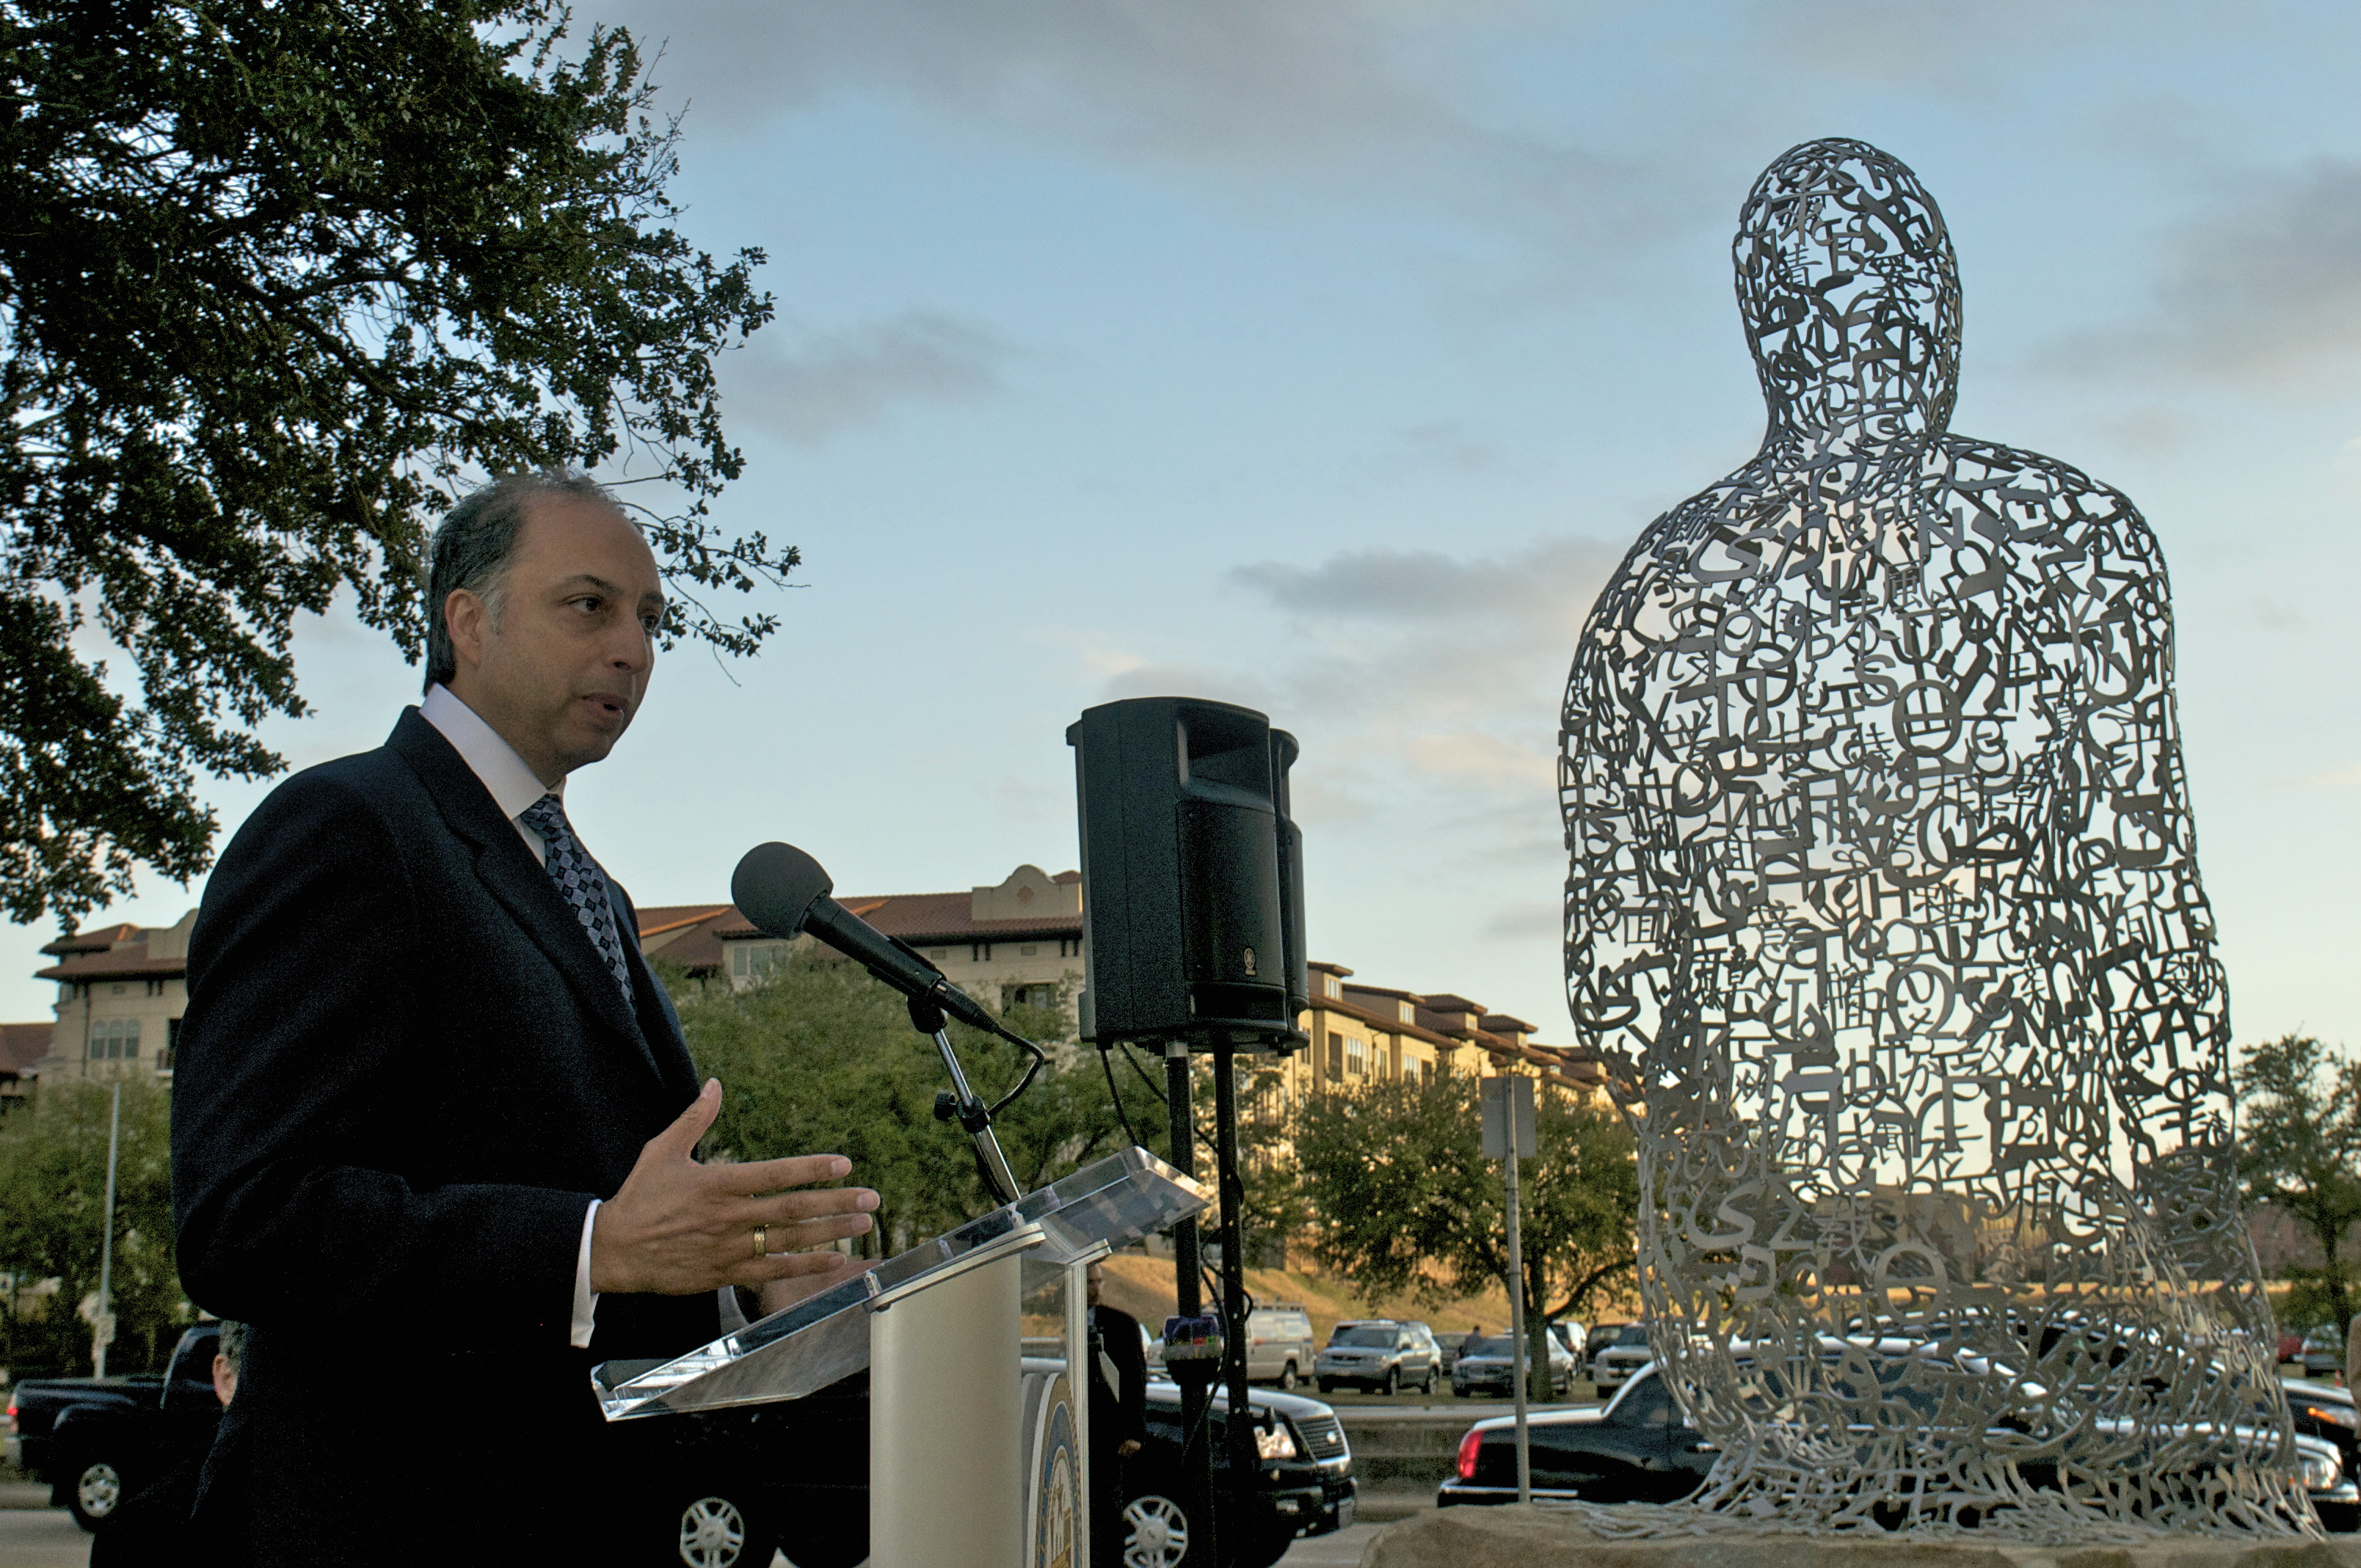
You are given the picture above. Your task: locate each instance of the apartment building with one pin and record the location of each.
(120, 992)
(1361, 1033)
(1016, 943)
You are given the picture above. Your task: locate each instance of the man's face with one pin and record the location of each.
(559, 671)
(1097, 1277)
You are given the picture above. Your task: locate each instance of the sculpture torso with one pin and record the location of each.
(1884, 910)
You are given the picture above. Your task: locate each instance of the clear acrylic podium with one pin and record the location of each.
(978, 1438)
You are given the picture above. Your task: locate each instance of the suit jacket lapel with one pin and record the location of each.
(659, 1026)
(509, 874)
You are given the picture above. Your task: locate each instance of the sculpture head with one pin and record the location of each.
(1851, 299)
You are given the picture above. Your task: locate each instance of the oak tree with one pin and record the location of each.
(278, 279)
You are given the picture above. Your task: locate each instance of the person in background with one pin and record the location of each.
(1118, 1415)
(2353, 1353)
(152, 1525)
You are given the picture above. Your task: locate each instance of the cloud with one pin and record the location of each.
(1210, 80)
(1552, 581)
(2263, 291)
(805, 389)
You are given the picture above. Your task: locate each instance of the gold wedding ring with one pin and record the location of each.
(762, 1241)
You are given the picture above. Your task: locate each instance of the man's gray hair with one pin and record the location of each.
(232, 1343)
(472, 547)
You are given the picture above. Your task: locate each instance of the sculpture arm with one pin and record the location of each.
(2137, 908)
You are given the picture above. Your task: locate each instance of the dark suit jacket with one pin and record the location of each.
(1118, 1414)
(403, 1075)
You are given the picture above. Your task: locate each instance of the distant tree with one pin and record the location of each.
(1406, 1202)
(821, 1059)
(52, 1207)
(277, 278)
(2299, 1151)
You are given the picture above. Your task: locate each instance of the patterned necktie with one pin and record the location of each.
(581, 882)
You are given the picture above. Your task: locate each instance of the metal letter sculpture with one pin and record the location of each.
(1884, 914)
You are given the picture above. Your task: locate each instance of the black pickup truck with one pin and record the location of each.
(721, 1488)
(97, 1439)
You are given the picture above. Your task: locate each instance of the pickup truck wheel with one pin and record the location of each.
(98, 1491)
(1155, 1532)
(714, 1533)
(1287, 1378)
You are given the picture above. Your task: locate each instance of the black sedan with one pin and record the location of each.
(1638, 1448)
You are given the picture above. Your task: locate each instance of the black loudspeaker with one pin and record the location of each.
(1193, 886)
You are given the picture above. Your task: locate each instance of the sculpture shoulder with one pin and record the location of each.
(2027, 502)
(1662, 566)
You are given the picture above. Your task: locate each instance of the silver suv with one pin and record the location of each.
(1621, 1356)
(1278, 1344)
(1382, 1355)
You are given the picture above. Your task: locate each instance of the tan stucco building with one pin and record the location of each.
(120, 992)
(1016, 943)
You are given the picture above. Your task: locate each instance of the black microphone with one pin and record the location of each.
(784, 891)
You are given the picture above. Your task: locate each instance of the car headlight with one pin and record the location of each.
(2321, 1471)
(2334, 1415)
(1277, 1442)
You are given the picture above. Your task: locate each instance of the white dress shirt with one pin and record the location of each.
(514, 787)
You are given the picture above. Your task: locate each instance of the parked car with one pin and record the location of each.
(2326, 1411)
(1570, 1334)
(1383, 1355)
(1281, 1346)
(1490, 1367)
(723, 1488)
(98, 1439)
(2323, 1352)
(1640, 1448)
(1635, 1449)
(1624, 1354)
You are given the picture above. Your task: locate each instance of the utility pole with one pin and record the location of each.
(1508, 1111)
(102, 1331)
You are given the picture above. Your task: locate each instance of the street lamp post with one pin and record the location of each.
(102, 1331)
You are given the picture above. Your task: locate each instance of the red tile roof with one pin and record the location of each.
(92, 941)
(127, 963)
(22, 1044)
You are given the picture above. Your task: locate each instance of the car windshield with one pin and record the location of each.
(1632, 1333)
(1373, 1336)
(1498, 1344)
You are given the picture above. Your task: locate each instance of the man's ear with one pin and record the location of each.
(465, 616)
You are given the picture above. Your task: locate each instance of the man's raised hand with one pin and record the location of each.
(679, 1228)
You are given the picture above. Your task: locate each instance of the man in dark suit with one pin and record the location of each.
(1118, 1415)
(434, 1122)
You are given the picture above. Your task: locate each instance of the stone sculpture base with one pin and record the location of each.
(1540, 1538)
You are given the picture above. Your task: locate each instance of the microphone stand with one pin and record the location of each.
(973, 1115)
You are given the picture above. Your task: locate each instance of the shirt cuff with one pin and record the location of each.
(585, 1303)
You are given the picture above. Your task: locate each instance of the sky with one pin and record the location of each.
(1327, 356)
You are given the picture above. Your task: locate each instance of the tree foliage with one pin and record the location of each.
(819, 1058)
(2300, 1150)
(52, 1202)
(277, 278)
(1406, 1202)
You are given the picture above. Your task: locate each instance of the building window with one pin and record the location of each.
(751, 960)
(1336, 1055)
(1030, 996)
(1027, 950)
(115, 1039)
(1070, 946)
(172, 1044)
(939, 952)
(1357, 1059)
(979, 952)
(155, 988)
(1410, 1070)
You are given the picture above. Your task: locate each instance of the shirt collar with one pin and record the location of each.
(514, 786)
